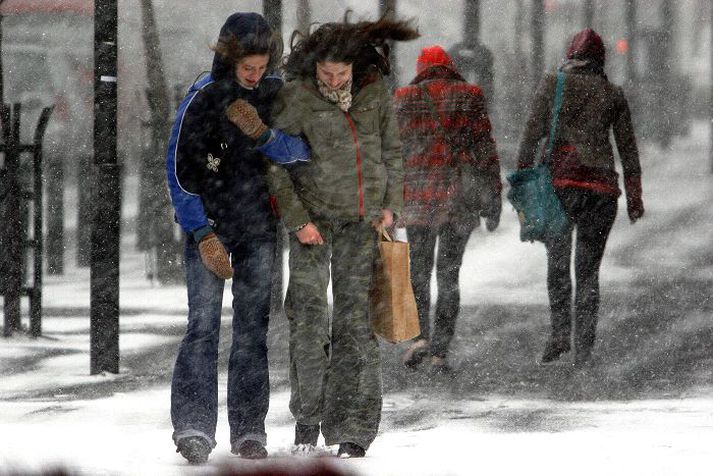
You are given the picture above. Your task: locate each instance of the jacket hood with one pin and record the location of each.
(246, 27)
(437, 71)
(587, 45)
(434, 55)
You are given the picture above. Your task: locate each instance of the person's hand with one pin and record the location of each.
(634, 203)
(386, 220)
(635, 208)
(214, 256)
(492, 214)
(245, 116)
(309, 235)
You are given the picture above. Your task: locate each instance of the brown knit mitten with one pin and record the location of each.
(244, 115)
(214, 256)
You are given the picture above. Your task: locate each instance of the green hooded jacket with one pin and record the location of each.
(356, 168)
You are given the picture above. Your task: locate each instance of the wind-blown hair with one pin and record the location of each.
(358, 44)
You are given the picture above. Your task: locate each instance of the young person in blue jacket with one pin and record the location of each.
(216, 179)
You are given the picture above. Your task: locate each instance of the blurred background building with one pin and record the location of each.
(659, 50)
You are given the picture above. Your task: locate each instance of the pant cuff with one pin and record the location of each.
(259, 437)
(179, 435)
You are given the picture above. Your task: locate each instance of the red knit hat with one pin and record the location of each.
(587, 44)
(432, 56)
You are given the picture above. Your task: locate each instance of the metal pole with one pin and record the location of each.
(104, 276)
(272, 10)
(2, 81)
(471, 29)
(388, 7)
(36, 292)
(156, 211)
(13, 219)
(631, 40)
(304, 15)
(537, 30)
(589, 14)
(710, 99)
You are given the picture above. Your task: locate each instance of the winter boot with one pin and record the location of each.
(439, 366)
(350, 450)
(194, 448)
(415, 354)
(250, 449)
(582, 357)
(554, 350)
(306, 434)
(305, 440)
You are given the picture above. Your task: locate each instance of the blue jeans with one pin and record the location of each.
(194, 388)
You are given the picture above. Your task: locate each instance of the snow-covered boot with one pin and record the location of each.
(350, 450)
(306, 434)
(415, 354)
(250, 449)
(194, 448)
(582, 357)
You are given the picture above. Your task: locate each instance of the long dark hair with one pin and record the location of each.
(358, 44)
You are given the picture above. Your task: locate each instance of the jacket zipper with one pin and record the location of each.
(358, 163)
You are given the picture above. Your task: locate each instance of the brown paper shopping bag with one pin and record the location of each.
(393, 306)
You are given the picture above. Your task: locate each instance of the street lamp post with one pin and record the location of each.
(711, 90)
(272, 10)
(589, 14)
(631, 33)
(104, 272)
(388, 7)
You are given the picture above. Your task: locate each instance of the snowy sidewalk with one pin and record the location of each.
(644, 407)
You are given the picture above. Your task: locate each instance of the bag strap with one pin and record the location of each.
(384, 234)
(556, 107)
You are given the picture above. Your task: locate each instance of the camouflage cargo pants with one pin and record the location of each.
(335, 376)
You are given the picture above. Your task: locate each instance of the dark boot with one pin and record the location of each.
(554, 350)
(306, 434)
(350, 450)
(415, 354)
(250, 449)
(582, 357)
(194, 448)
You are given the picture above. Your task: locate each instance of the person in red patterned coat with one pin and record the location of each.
(586, 182)
(443, 122)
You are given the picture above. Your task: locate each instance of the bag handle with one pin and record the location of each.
(556, 107)
(383, 233)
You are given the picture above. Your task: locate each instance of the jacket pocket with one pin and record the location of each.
(321, 128)
(366, 118)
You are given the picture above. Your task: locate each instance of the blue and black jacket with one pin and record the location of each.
(216, 175)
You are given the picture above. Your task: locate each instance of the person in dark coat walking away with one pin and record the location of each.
(220, 194)
(586, 182)
(443, 123)
(337, 98)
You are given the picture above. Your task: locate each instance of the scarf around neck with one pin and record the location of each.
(342, 96)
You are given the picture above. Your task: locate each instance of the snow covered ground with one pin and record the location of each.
(645, 406)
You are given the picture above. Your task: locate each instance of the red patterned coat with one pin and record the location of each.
(432, 188)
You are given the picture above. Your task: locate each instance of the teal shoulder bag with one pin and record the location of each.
(538, 208)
